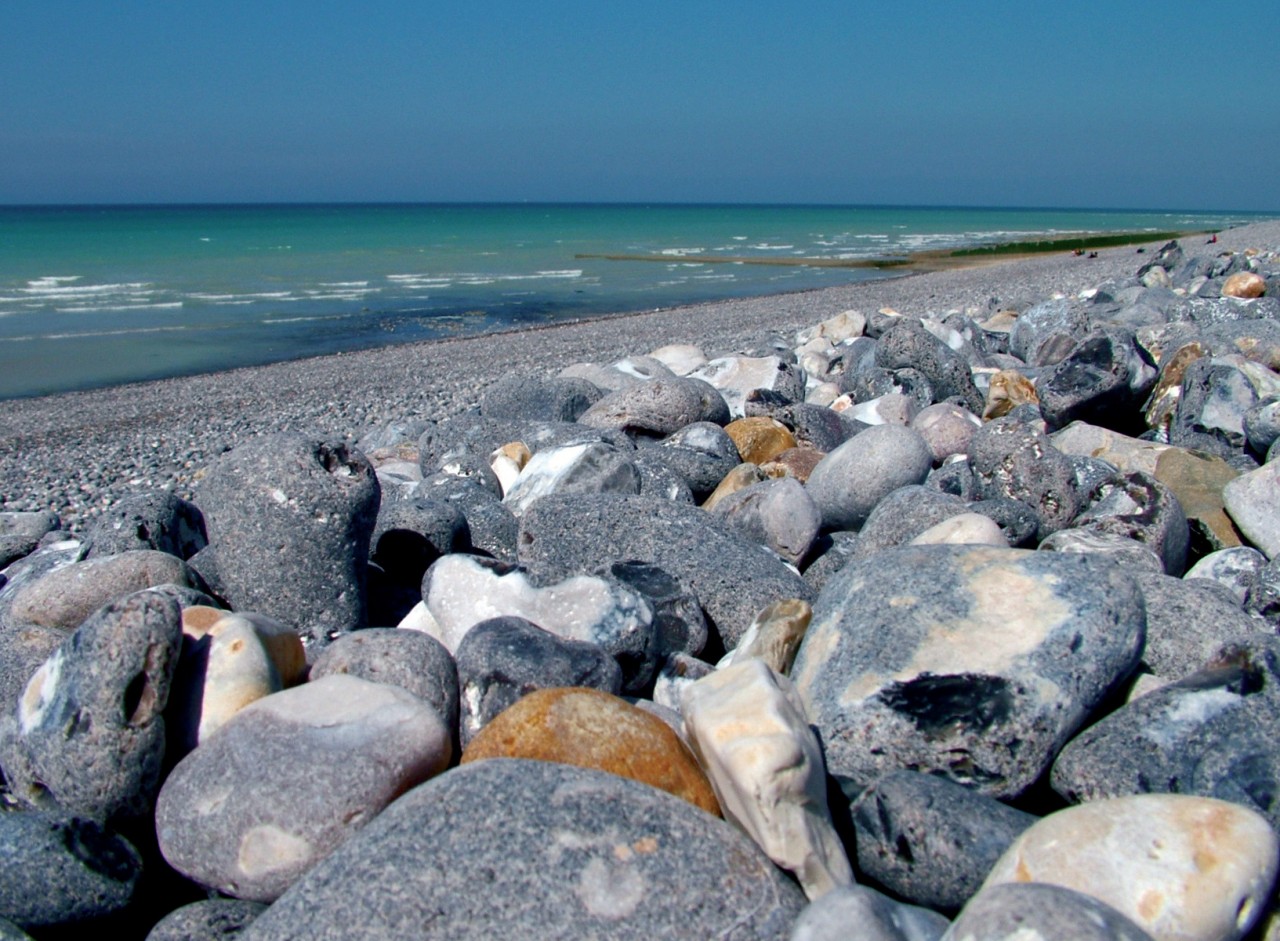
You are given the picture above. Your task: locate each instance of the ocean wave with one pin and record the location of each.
(678, 252)
(41, 288)
(766, 247)
(108, 308)
(217, 298)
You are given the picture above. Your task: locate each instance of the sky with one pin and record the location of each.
(1122, 104)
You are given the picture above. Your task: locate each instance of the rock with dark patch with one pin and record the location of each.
(847, 484)
(701, 453)
(658, 479)
(1211, 734)
(88, 732)
(732, 578)
(413, 531)
(538, 399)
(1210, 415)
(600, 854)
(503, 659)
(61, 870)
(1012, 457)
(207, 920)
(20, 533)
(877, 917)
(157, 520)
(946, 428)
(1018, 910)
(678, 622)
(1103, 380)
(1137, 506)
(412, 660)
(907, 344)
(955, 477)
(316, 497)
(1047, 332)
(829, 553)
(930, 840)
(976, 663)
(814, 426)
(870, 382)
(778, 514)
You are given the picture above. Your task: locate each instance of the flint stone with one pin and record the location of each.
(64, 597)
(732, 578)
(1235, 569)
(503, 659)
(778, 514)
(1019, 910)
(759, 438)
(291, 777)
(659, 407)
(1046, 333)
(1262, 424)
(702, 453)
(591, 467)
(1211, 733)
(537, 399)
(411, 660)
(680, 358)
(849, 482)
(794, 462)
(1253, 501)
(902, 515)
(602, 855)
(1120, 549)
(678, 671)
(472, 434)
(748, 728)
(1007, 390)
(930, 840)
(877, 917)
(1182, 868)
(678, 622)
(736, 376)
(461, 591)
(1139, 507)
(909, 344)
(967, 661)
(813, 426)
(319, 499)
(869, 383)
(1014, 458)
(491, 526)
(157, 520)
(1104, 379)
(774, 636)
(1210, 415)
(20, 533)
(207, 920)
(62, 871)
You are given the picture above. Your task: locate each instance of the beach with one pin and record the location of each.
(79, 453)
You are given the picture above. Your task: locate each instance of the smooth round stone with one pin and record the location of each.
(658, 407)
(503, 659)
(1253, 502)
(965, 529)
(946, 429)
(66, 596)
(778, 514)
(290, 777)
(876, 917)
(1018, 911)
(60, 870)
(1182, 868)
(208, 920)
(588, 728)
(760, 439)
(280, 640)
(89, 729)
(903, 515)
(1246, 284)
(580, 854)
(847, 484)
(20, 533)
(411, 660)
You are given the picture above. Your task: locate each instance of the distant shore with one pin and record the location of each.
(76, 453)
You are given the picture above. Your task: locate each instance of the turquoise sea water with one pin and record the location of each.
(94, 296)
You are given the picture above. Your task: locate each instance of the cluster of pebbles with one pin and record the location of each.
(941, 625)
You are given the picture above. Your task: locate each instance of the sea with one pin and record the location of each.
(93, 296)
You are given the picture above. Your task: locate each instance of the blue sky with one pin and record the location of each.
(1122, 104)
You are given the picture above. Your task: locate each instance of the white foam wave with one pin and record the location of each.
(102, 308)
(42, 288)
(344, 284)
(679, 252)
(766, 247)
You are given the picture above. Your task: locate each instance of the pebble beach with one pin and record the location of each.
(944, 605)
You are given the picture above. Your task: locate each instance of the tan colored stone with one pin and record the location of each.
(1080, 439)
(774, 635)
(968, 529)
(218, 675)
(1183, 868)
(1163, 401)
(760, 438)
(793, 462)
(1245, 284)
(741, 477)
(508, 461)
(591, 729)
(1001, 321)
(1197, 480)
(282, 643)
(1008, 389)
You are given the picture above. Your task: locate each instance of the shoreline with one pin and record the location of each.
(78, 452)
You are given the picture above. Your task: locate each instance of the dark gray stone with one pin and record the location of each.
(733, 579)
(813, 426)
(976, 663)
(1102, 381)
(503, 659)
(829, 554)
(413, 531)
(848, 482)
(208, 920)
(581, 853)
(701, 454)
(776, 513)
(904, 514)
(1047, 333)
(930, 840)
(1019, 522)
(586, 467)
(23, 647)
(1262, 424)
(658, 479)
(870, 382)
(97, 703)
(1211, 410)
(491, 527)
(1212, 734)
(20, 533)
(873, 915)
(1018, 910)
(412, 660)
(291, 518)
(907, 344)
(658, 407)
(1012, 457)
(1139, 507)
(157, 520)
(62, 871)
(560, 399)
(955, 477)
(678, 622)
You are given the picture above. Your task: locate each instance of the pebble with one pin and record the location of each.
(1017, 910)
(847, 484)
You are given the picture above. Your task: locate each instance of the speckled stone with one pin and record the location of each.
(157, 520)
(968, 661)
(778, 514)
(1017, 910)
(1182, 868)
(658, 407)
(877, 917)
(1012, 457)
(848, 482)
(589, 728)
(580, 854)
(290, 777)
(207, 920)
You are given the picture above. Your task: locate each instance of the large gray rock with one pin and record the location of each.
(20, 533)
(876, 917)
(290, 519)
(1012, 457)
(1103, 380)
(777, 513)
(849, 481)
(1048, 332)
(207, 920)
(930, 840)
(908, 344)
(586, 467)
(658, 407)
(1137, 506)
(1253, 502)
(290, 777)
(580, 854)
(157, 520)
(559, 399)
(1015, 910)
(972, 662)
(88, 732)
(490, 526)
(731, 577)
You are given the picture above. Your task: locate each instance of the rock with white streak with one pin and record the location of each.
(736, 376)
(586, 467)
(774, 636)
(749, 729)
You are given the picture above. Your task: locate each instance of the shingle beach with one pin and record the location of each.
(939, 607)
